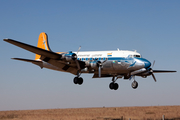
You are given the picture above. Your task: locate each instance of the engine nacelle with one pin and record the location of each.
(146, 73)
(70, 56)
(138, 71)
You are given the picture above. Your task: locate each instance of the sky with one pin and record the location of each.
(149, 26)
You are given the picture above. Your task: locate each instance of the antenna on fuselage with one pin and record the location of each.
(134, 50)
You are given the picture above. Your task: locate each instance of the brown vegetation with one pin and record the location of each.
(117, 113)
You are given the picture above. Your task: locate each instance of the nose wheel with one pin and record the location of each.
(134, 84)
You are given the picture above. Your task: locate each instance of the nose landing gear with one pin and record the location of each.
(134, 84)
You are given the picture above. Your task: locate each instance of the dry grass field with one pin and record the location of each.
(116, 113)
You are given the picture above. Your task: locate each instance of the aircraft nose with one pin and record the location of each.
(147, 64)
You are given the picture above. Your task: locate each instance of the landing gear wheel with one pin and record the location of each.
(113, 86)
(78, 80)
(116, 86)
(134, 84)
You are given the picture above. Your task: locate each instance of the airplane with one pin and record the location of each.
(116, 64)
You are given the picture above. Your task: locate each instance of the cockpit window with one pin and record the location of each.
(137, 56)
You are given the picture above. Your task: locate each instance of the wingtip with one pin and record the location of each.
(6, 39)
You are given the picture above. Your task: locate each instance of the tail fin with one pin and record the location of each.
(42, 43)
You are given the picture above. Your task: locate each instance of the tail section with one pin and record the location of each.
(42, 43)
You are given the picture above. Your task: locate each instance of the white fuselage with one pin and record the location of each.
(114, 62)
(106, 54)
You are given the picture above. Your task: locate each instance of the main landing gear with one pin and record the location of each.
(113, 85)
(78, 80)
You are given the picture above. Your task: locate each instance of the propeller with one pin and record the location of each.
(153, 64)
(151, 70)
(77, 63)
(154, 77)
(78, 49)
(100, 67)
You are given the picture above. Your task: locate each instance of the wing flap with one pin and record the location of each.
(34, 49)
(72, 68)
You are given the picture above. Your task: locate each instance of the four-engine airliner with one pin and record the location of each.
(116, 64)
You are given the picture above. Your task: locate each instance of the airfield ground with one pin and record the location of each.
(114, 113)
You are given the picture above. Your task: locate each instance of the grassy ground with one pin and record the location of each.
(117, 113)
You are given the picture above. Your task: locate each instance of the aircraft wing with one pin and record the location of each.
(34, 49)
(48, 56)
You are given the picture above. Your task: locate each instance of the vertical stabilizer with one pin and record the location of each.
(42, 43)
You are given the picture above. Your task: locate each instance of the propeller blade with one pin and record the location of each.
(77, 63)
(153, 71)
(79, 49)
(154, 77)
(99, 71)
(153, 64)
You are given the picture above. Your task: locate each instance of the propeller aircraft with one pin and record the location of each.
(116, 64)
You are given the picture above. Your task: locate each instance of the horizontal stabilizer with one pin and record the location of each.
(34, 49)
(163, 71)
(36, 62)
